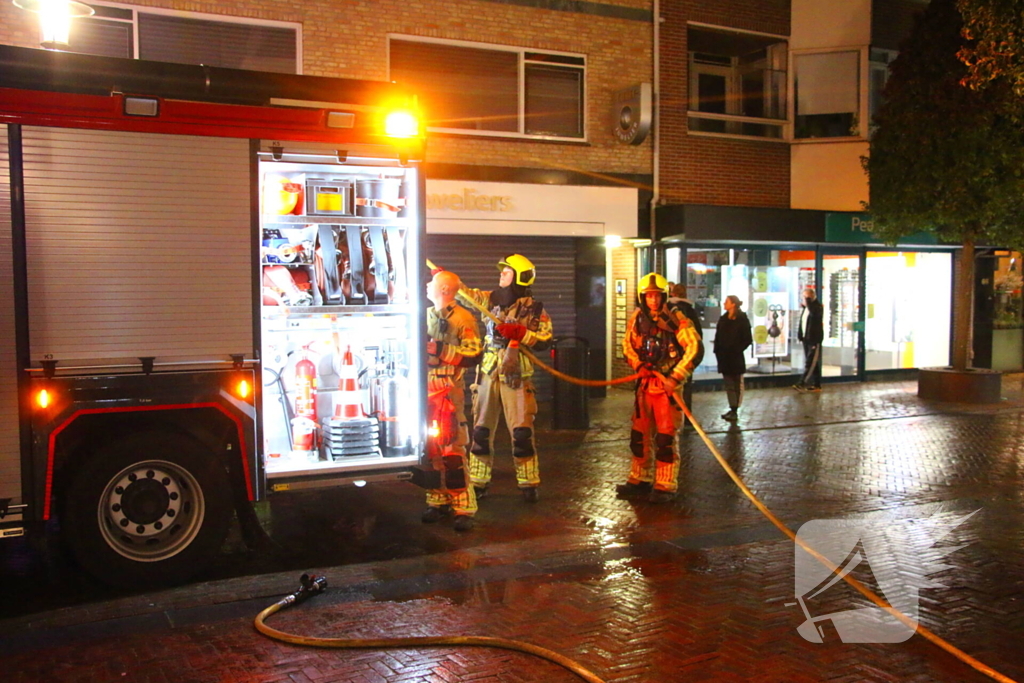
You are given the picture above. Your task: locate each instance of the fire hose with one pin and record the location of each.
(835, 569)
(313, 585)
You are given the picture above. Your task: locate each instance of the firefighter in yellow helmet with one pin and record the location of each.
(660, 344)
(504, 383)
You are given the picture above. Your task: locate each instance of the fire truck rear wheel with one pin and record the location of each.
(147, 510)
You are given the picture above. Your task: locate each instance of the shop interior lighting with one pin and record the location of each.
(55, 19)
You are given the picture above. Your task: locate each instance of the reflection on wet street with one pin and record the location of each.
(701, 588)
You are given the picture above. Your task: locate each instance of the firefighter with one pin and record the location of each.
(452, 346)
(504, 376)
(660, 344)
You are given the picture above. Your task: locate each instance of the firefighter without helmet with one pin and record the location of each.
(521, 266)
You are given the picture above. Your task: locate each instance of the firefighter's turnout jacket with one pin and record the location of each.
(455, 346)
(665, 341)
(526, 311)
(455, 329)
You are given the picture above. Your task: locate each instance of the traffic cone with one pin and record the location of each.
(350, 399)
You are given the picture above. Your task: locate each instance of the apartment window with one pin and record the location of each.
(827, 88)
(879, 74)
(187, 38)
(489, 90)
(737, 83)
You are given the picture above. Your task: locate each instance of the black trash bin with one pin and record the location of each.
(569, 408)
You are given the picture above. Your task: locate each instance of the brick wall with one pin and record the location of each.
(706, 170)
(344, 38)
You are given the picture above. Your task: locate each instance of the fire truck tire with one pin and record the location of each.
(151, 509)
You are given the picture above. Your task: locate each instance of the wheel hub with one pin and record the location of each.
(151, 510)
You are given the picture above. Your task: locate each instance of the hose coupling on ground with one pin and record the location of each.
(310, 586)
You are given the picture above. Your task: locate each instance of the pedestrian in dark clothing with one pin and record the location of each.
(732, 338)
(812, 333)
(677, 301)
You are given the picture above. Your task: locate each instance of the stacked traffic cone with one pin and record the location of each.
(350, 432)
(350, 399)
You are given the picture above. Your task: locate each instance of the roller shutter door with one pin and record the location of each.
(138, 245)
(475, 257)
(10, 449)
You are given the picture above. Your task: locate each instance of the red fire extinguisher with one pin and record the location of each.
(304, 422)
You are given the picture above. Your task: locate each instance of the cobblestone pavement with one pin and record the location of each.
(701, 589)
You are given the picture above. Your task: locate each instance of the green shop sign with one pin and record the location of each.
(855, 228)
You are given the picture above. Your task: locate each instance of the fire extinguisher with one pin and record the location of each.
(304, 422)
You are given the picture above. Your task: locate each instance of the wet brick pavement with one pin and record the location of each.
(700, 589)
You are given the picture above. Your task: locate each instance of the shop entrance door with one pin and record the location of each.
(841, 292)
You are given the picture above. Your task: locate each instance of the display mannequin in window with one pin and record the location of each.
(453, 344)
(812, 333)
(660, 344)
(504, 383)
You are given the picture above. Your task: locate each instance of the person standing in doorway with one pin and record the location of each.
(732, 339)
(504, 383)
(812, 333)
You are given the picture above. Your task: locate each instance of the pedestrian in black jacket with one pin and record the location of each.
(812, 333)
(732, 338)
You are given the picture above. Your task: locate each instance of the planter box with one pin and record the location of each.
(969, 386)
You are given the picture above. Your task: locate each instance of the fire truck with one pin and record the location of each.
(210, 293)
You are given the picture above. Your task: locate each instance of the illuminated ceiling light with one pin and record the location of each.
(55, 19)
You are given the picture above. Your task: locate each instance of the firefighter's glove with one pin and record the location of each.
(512, 331)
(645, 371)
(434, 350)
(670, 384)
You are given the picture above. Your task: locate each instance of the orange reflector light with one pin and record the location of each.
(401, 124)
(242, 389)
(43, 398)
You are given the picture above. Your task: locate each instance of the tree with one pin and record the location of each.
(996, 28)
(946, 158)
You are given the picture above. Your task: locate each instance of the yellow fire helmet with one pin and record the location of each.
(652, 282)
(522, 266)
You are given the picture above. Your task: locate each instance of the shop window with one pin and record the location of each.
(489, 90)
(907, 320)
(187, 38)
(1008, 318)
(769, 282)
(737, 83)
(827, 89)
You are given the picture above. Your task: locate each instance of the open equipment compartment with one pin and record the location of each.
(338, 319)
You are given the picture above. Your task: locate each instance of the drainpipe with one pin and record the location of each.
(656, 120)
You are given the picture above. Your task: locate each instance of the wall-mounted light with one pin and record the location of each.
(55, 19)
(612, 241)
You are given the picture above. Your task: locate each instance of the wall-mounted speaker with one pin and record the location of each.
(631, 113)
